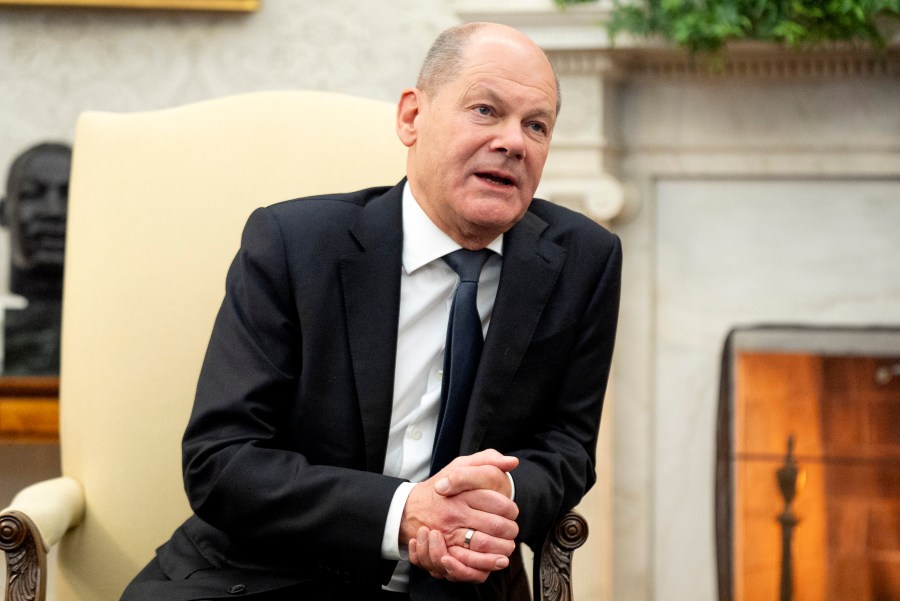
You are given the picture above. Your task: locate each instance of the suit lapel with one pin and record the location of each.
(371, 288)
(531, 266)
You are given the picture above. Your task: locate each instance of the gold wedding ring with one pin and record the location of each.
(468, 539)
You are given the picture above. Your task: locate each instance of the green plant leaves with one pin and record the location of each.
(706, 25)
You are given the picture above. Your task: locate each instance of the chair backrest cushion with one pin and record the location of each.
(157, 204)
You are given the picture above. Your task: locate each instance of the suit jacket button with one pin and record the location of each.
(237, 589)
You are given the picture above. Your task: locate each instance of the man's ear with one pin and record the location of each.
(407, 112)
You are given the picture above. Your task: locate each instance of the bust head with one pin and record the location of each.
(34, 210)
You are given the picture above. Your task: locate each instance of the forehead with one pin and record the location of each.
(507, 65)
(45, 166)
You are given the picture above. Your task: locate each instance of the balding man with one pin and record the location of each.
(347, 442)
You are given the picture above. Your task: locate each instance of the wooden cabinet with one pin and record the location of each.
(843, 412)
(29, 409)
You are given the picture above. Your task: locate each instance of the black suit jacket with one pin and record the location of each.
(286, 443)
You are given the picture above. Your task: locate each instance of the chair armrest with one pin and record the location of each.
(26, 559)
(35, 521)
(53, 506)
(555, 578)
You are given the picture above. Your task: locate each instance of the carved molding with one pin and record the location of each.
(754, 61)
(601, 197)
(749, 62)
(586, 62)
(26, 561)
(556, 557)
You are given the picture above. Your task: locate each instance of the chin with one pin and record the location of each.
(495, 226)
(507, 216)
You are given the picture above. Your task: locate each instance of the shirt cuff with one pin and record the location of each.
(390, 540)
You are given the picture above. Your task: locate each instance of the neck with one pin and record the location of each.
(35, 285)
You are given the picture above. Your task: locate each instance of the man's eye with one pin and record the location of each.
(483, 110)
(33, 191)
(538, 128)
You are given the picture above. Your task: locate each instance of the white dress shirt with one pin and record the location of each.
(427, 284)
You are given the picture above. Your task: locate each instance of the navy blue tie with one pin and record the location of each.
(461, 354)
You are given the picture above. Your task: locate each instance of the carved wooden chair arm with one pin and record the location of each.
(26, 558)
(571, 532)
(35, 521)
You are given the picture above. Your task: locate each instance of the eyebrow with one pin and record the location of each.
(482, 90)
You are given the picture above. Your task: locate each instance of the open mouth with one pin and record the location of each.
(495, 179)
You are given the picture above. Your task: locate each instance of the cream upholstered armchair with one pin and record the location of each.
(156, 208)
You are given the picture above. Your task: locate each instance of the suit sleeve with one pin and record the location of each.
(557, 463)
(240, 475)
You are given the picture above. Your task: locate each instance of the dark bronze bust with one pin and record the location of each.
(34, 210)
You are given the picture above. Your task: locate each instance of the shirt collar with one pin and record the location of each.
(423, 241)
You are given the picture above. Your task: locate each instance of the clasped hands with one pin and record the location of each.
(471, 493)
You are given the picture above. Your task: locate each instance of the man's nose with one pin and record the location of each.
(56, 201)
(510, 139)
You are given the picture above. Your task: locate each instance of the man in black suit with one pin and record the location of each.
(308, 456)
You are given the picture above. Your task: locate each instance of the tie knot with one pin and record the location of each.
(468, 263)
